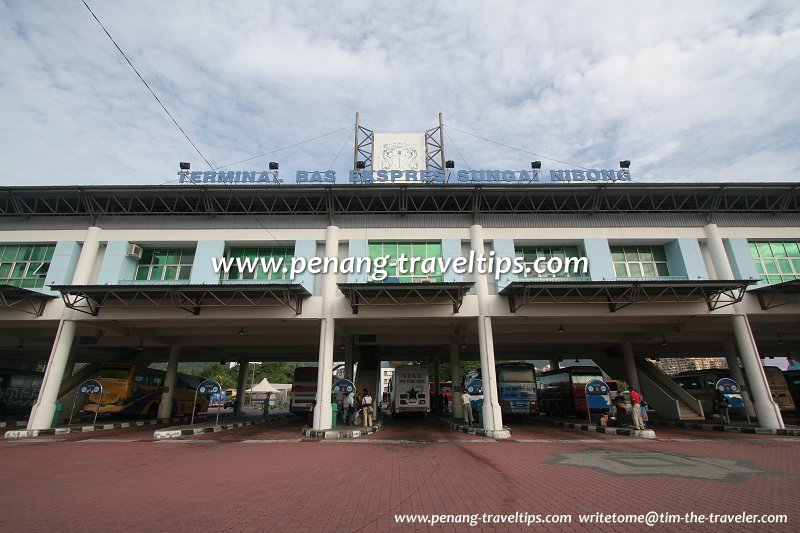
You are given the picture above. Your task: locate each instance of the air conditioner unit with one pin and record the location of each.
(134, 250)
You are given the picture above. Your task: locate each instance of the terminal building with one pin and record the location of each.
(126, 273)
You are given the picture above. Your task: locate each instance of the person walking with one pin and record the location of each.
(466, 399)
(366, 408)
(636, 409)
(721, 406)
(266, 408)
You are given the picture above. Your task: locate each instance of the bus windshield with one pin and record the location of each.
(515, 374)
(113, 372)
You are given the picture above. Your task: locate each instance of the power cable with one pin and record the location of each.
(518, 149)
(342, 148)
(148, 86)
(457, 150)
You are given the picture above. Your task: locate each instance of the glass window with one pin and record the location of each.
(776, 261)
(530, 254)
(639, 261)
(164, 264)
(265, 263)
(25, 265)
(421, 272)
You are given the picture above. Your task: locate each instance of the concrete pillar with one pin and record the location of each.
(241, 386)
(732, 357)
(322, 414)
(767, 411)
(42, 412)
(348, 358)
(492, 417)
(554, 364)
(455, 377)
(165, 407)
(631, 374)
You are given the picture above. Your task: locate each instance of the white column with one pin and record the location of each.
(767, 411)
(322, 414)
(632, 375)
(42, 412)
(348, 358)
(732, 357)
(165, 407)
(492, 417)
(241, 386)
(455, 377)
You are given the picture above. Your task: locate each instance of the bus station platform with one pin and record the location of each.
(343, 432)
(210, 425)
(474, 429)
(80, 428)
(735, 427)
(579, 426)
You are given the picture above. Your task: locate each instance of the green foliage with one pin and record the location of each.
(275, 372)
(225, 376)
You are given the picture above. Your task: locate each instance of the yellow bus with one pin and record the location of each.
(135, 391)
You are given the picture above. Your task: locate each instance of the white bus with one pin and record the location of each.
(410, 390)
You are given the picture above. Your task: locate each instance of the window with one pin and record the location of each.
(639, 261)
(250, 260)
(165, 264)
(420, 272)
(530, 254)
(776, 261)
(25, 265)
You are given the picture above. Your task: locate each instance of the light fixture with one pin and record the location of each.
(241, 331)
(780, 338)
(536, 165)
(663, 340)
(184, 165)
(20, 344)
(141, 345)
(625, 164)
(561, 329)
(464, 342)
(449, 164)
(273, 165)
(361, 165)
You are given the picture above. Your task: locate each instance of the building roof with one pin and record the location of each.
(330, 200)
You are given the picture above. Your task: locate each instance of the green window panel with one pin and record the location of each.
(271, 256)
(164, 264)
(776, 261)
(25, 265)
(530, 254)
(639, 261)
(422, 250)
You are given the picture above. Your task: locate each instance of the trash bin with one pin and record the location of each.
(57, 414)
(334, 413)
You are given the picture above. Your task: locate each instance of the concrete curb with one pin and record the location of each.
(357, 431)
(729, 428)
(173, 433)
(623, 432)
(504, 433)
(29, 433)
(13, 423)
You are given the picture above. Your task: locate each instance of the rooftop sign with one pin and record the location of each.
(235, 177)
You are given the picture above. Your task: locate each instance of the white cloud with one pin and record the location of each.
(686, 90)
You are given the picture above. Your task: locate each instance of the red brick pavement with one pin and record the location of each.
(216, 481)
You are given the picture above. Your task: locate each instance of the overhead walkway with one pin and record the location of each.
(658, 389)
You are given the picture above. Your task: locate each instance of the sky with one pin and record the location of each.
(688, 91)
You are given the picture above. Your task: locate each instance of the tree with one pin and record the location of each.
(276, 372)
(225, 376)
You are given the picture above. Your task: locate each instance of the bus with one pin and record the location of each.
(516, 388)
(410, 390)
(445, 387)
(304, 389)
(701, 384)
(18, 391)
(135, 391)
(563, 391)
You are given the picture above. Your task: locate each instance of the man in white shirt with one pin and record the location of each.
(366, 403)
(466, 399)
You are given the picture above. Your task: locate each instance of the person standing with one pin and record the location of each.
(351, 402)
(792, 364)
(266, 408)
(636, 409)
(466, 399)
(366, 408)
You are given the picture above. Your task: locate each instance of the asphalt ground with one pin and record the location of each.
(268, 476)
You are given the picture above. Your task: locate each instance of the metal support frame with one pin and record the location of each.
(450, 293)
(288, 199)
(620, 294)
(23, 300)
(778, 295)
(363, 148)
(434, 148)
(192, 298)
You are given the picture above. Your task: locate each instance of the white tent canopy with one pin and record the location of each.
(264, 387)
